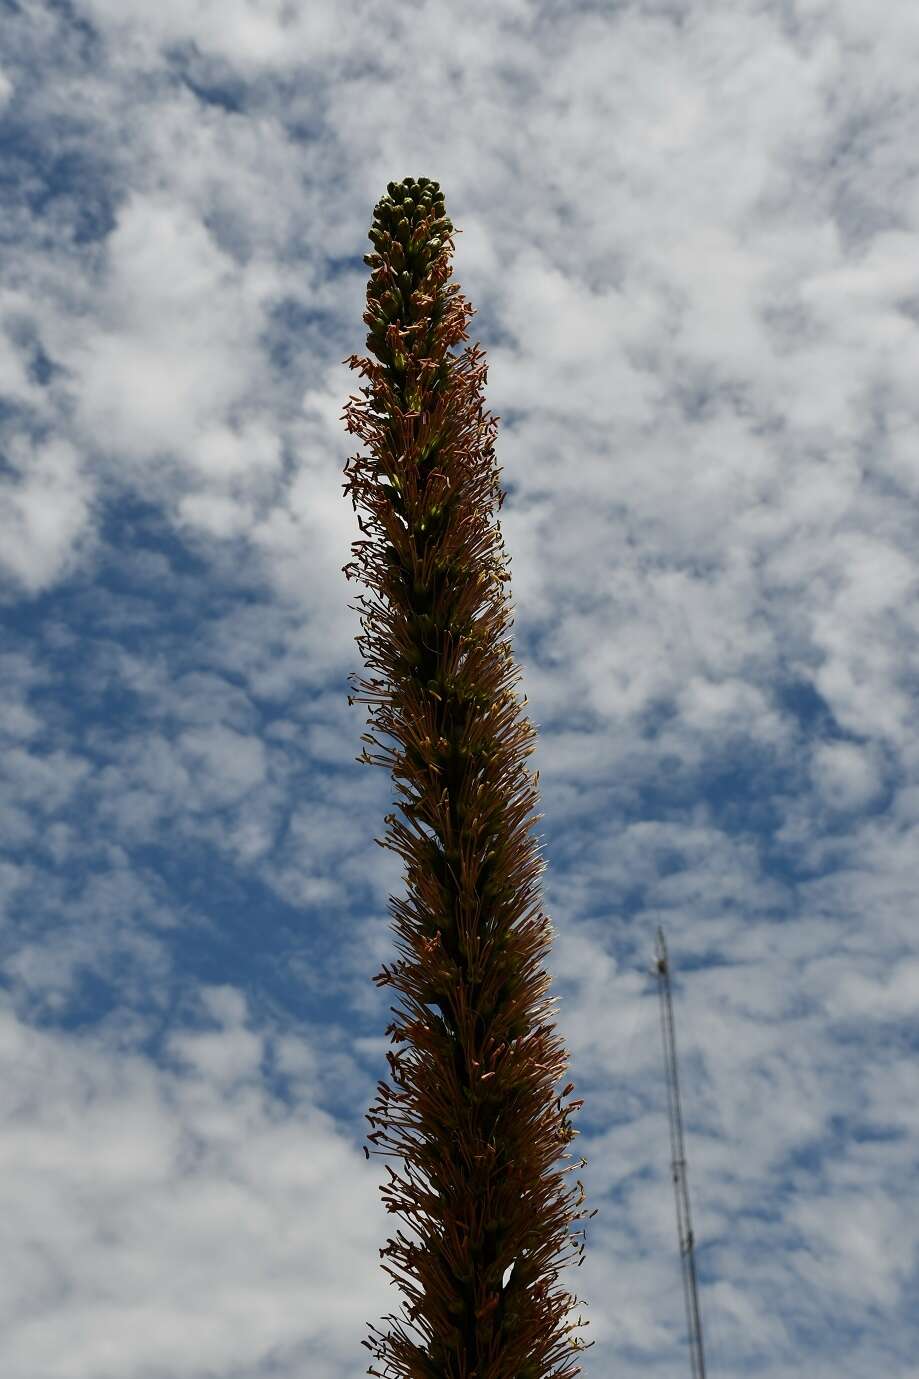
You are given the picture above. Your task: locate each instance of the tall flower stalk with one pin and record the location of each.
(471, 1110)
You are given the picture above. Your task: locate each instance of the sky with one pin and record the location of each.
(691, 233)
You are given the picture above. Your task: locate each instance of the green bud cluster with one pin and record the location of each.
(406, 204)
(409, 230)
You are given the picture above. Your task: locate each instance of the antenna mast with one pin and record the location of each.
(678, 1164)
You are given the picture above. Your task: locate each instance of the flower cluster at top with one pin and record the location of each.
(410, 232)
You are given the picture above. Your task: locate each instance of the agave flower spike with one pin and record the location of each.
(472, 1113)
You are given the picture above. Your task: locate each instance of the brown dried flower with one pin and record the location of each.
(471, 1113)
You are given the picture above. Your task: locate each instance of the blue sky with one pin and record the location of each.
(690, 231)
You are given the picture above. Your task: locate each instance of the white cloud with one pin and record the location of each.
(223, 454)
(44, 513)
(232, 762)
(222, 1058)
(214, 513)
(153, 1210)
(857, 1245)
(14, 378)
(887, 995)
(175, 334)
(846, 776)
(248, 34)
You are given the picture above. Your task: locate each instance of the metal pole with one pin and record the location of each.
(678, 1164)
